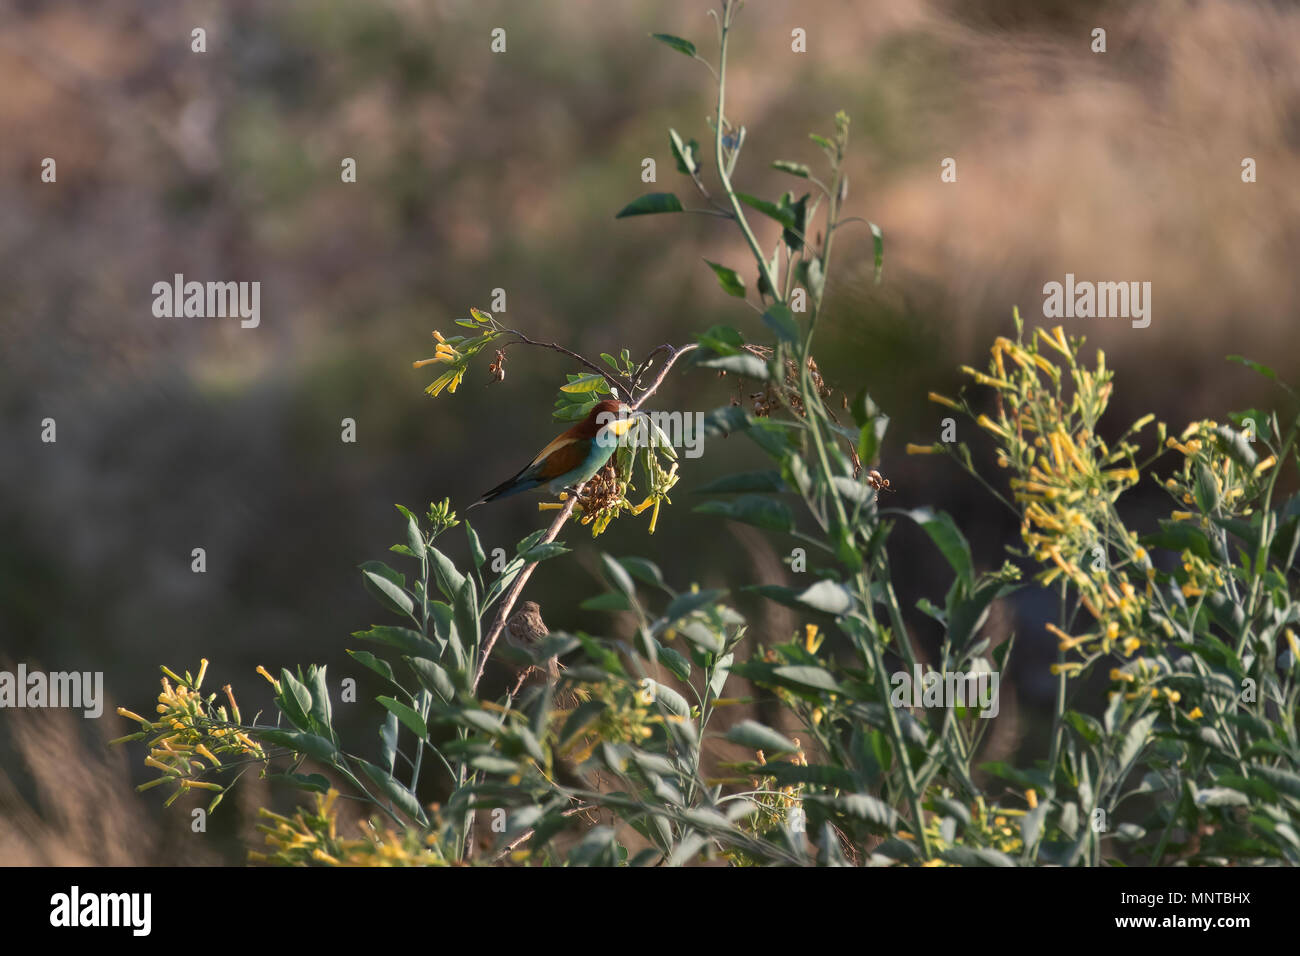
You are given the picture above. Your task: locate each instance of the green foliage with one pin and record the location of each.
(1193, 757)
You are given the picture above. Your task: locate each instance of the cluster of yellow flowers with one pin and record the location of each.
(1067, 479)
(445, 352)
(1220, 473)
(190, 736)
(459, 349)
(310, 838)
(990, 826)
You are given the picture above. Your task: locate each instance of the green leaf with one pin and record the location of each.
(829, 597)
(824, 775)
(685, 153)
(446, 574)
(809, 274)
(677, 43)
(672, 701)
(727, 420)
(466, 615)
(1256, 366)
(780, 320)
(865, 807)
(872, 424)
(1136, 739)
(609, 601)
(1206, 489)
(376, 664)
(414, 539)
(390, 594)
(1179, 536)
(794, 169)
(815, 677)
(316, 782)
(402, 798)
(475, 546)
(758, 510)
(943, 531)
(575, 412)
(745, 364)
(731, 283)
(676, 663)
(617, 575)
(647, 572)
(793, 235)
(650, 204)
(783, 215)
(976, 856)
(878, 240)
(1221, 797)
(409, 717)
(755, 736)
(586, 383)
(684, 604)
(405, 639)
(769, 480)
(320, 713)
(312, 745)
(433, 676)
(548, 549)
(489, 763)
(295, 700)
(702, 636)
(722, 339)
(1235, 444)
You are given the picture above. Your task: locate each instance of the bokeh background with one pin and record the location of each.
(479, 171)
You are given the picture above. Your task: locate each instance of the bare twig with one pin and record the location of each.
(614, 380)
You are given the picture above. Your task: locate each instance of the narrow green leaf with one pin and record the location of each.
(829, 597)
(410, 718)
(751, 366)
(402, 798)
(731, 283)
(784, 216)
(943, 531)
(760, 511)
(878, 240)
(586, 383)
(650, 204)
(677, 43)
(751, 734)
(794, 169)
(781, 321)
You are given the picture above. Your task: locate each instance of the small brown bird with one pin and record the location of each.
(526, 630)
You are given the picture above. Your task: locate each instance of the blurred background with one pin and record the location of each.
(479, 170)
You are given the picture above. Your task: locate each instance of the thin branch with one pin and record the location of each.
(663, 372)
(623, 387)
(645, 363)
(508, 602)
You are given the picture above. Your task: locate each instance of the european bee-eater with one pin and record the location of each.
(574, 456)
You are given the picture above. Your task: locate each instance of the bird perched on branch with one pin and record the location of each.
(574, 456)
(526, 630)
